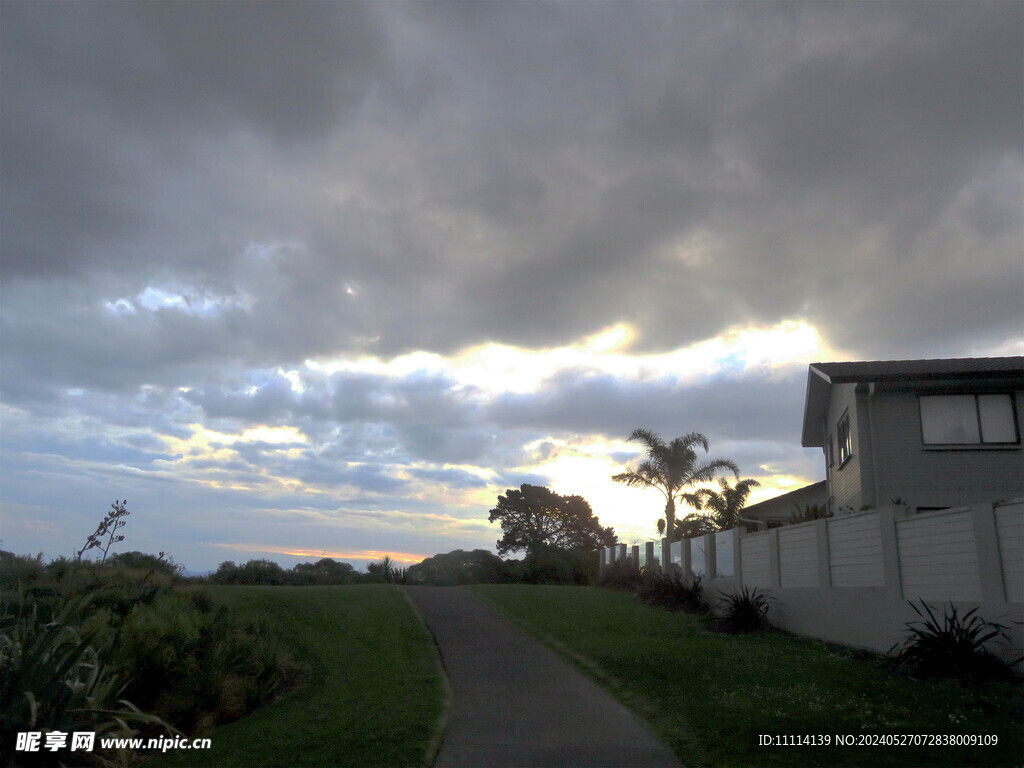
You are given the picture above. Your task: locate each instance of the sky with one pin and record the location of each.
(324, 279)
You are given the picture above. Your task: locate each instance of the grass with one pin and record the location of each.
(373, 693)
(711, 695)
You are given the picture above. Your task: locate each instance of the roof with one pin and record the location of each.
(821, 377)
(782, 506)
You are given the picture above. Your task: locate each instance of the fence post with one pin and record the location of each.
(773, 557)
(649, 553)
(824, 564)
(620, 552)
(666, 554)
(737, 555)
(710, 561)
(890, 553)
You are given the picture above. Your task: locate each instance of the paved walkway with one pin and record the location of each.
(515, 703)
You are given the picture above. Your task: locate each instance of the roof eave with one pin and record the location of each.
(816, 401)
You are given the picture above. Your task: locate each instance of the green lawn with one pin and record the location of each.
(374, 693)
(711, 696)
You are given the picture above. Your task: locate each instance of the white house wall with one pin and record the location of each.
(845, 481)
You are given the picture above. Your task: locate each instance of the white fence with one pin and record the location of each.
(851, 579)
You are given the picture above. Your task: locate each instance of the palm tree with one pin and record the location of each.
(726, 505)
(671, 467)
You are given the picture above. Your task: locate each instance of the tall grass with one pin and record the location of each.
(80, 639)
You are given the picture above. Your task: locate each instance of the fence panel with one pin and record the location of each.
(798, 556)
(697, 560)
(939, 557)
(756, 561)
(676, 553)
(855, 551)
(725, 565)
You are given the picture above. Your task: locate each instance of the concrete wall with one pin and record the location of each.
(851, 579)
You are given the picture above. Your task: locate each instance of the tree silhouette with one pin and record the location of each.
(534, 516)
(672, 467)
(726, 504)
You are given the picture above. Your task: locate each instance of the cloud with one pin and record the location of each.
(432, 238)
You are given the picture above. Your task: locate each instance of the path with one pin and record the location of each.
(516, 703)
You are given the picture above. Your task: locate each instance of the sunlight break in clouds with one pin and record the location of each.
(499, 369)
(368, 555)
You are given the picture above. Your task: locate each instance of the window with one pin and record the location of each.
(844, 439)
(968, 420)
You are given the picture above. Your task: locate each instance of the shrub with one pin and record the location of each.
(668, 589)
(323, 571)
(55, 675)
(15, 569)
(956, 647)
(171, 652)
(142, 561)
(253, 572)
(746, 611)
(196, 666)
(462, 567)
(621, 574)
(553, 565)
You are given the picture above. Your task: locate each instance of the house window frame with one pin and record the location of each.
(844, 439)
(981, 444)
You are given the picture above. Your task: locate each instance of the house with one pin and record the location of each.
(926, 434)
(780, 510)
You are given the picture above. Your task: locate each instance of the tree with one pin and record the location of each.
(460, 567)
(694, 525)
(725, 505)
(324, 571)
(534, 516)
(671, 467)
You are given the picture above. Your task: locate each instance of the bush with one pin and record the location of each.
(956, 647)
(145, 562)
(171, 652)
(621, 574)
(323, 571)
(668, 589)
(196, 666)
(15, 569)
(461, 567)
(55, 674)
(746, 611)
(552, 565)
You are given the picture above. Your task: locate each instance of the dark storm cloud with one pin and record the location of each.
(515, 172)
(723, 407)
(100, 98)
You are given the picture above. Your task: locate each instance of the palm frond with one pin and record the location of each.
(650, 439)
